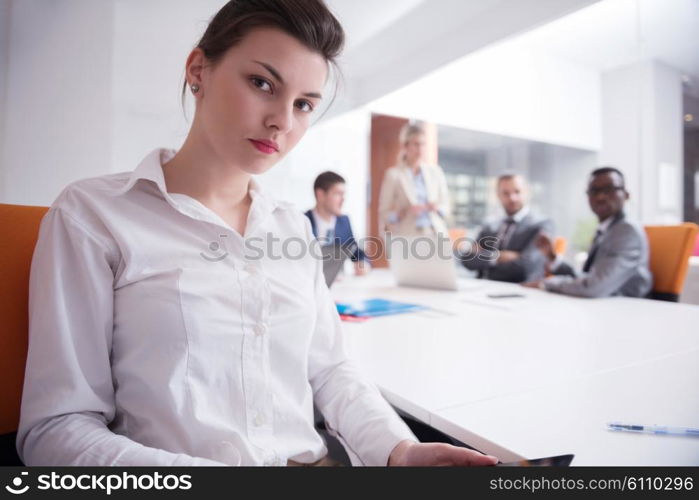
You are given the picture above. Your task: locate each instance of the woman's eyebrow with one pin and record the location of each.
(278, 77)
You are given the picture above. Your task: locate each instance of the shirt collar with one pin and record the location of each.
(604, 225)
(408, 168)
(151, 169)
(262, 199)
(517, 217)
(318, 218)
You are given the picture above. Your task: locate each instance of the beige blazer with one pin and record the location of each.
(398, 194)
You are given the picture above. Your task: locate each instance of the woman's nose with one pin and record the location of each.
(280, 118)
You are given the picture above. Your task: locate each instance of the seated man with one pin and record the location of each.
(327, 221)
(506, 250)
(617, 262)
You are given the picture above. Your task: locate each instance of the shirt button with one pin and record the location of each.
(261, 329)
(251, 268)
(259, 420)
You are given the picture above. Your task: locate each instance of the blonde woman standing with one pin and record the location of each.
(414, 198)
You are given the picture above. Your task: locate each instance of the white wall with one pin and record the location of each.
(5, 8)
(508, 91)
(57, 110)
(151, 42)
(435, 33)
(91, 88)
(642, 130)
(565, 178)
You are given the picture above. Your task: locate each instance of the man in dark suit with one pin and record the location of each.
(327, 221)
(617, 262)
(506, 249)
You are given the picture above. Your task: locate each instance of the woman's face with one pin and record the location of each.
(257, 102)
(414, 149)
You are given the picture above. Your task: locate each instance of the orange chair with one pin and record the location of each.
(457, 233)
(560, 245)
(670, 249)
(20, 228)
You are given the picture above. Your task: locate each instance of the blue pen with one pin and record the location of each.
(653, 429)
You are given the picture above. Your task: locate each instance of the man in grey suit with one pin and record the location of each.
(617, 262)
(506, 250)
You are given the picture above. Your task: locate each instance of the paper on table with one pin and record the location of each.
(376, 307)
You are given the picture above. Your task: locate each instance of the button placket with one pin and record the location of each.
(256, 295)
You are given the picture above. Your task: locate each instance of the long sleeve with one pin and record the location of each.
(69, 399)
(561, 268)
(443, 203)
(531, 263)
(484, 254)
(352, 406)
(387, 196)
(613, 267)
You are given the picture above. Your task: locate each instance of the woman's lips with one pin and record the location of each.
(264, 146)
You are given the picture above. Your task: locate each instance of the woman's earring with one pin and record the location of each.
(195, 88)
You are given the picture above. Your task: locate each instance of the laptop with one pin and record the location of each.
(415, 261)
(334, 257)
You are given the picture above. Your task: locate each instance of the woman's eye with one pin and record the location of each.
(304, 106)
(261, 84)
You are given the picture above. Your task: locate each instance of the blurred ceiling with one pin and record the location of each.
(615, 33)
(392, 43)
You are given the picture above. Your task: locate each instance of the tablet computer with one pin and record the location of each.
(557, 461)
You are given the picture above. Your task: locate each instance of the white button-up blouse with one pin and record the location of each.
(160, 336)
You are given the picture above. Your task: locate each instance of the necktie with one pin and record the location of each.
(329, 234)
(504, 233)
(593, 252)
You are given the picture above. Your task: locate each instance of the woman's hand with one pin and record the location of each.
(412, 454)
(361, 268)
(416, 210)
(508, 256)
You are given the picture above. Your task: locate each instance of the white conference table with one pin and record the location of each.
(537, 375)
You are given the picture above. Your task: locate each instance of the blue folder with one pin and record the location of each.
(376, 307)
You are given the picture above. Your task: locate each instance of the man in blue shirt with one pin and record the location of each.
(327, 221)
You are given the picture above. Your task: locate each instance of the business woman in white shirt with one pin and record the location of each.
(160, 332)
